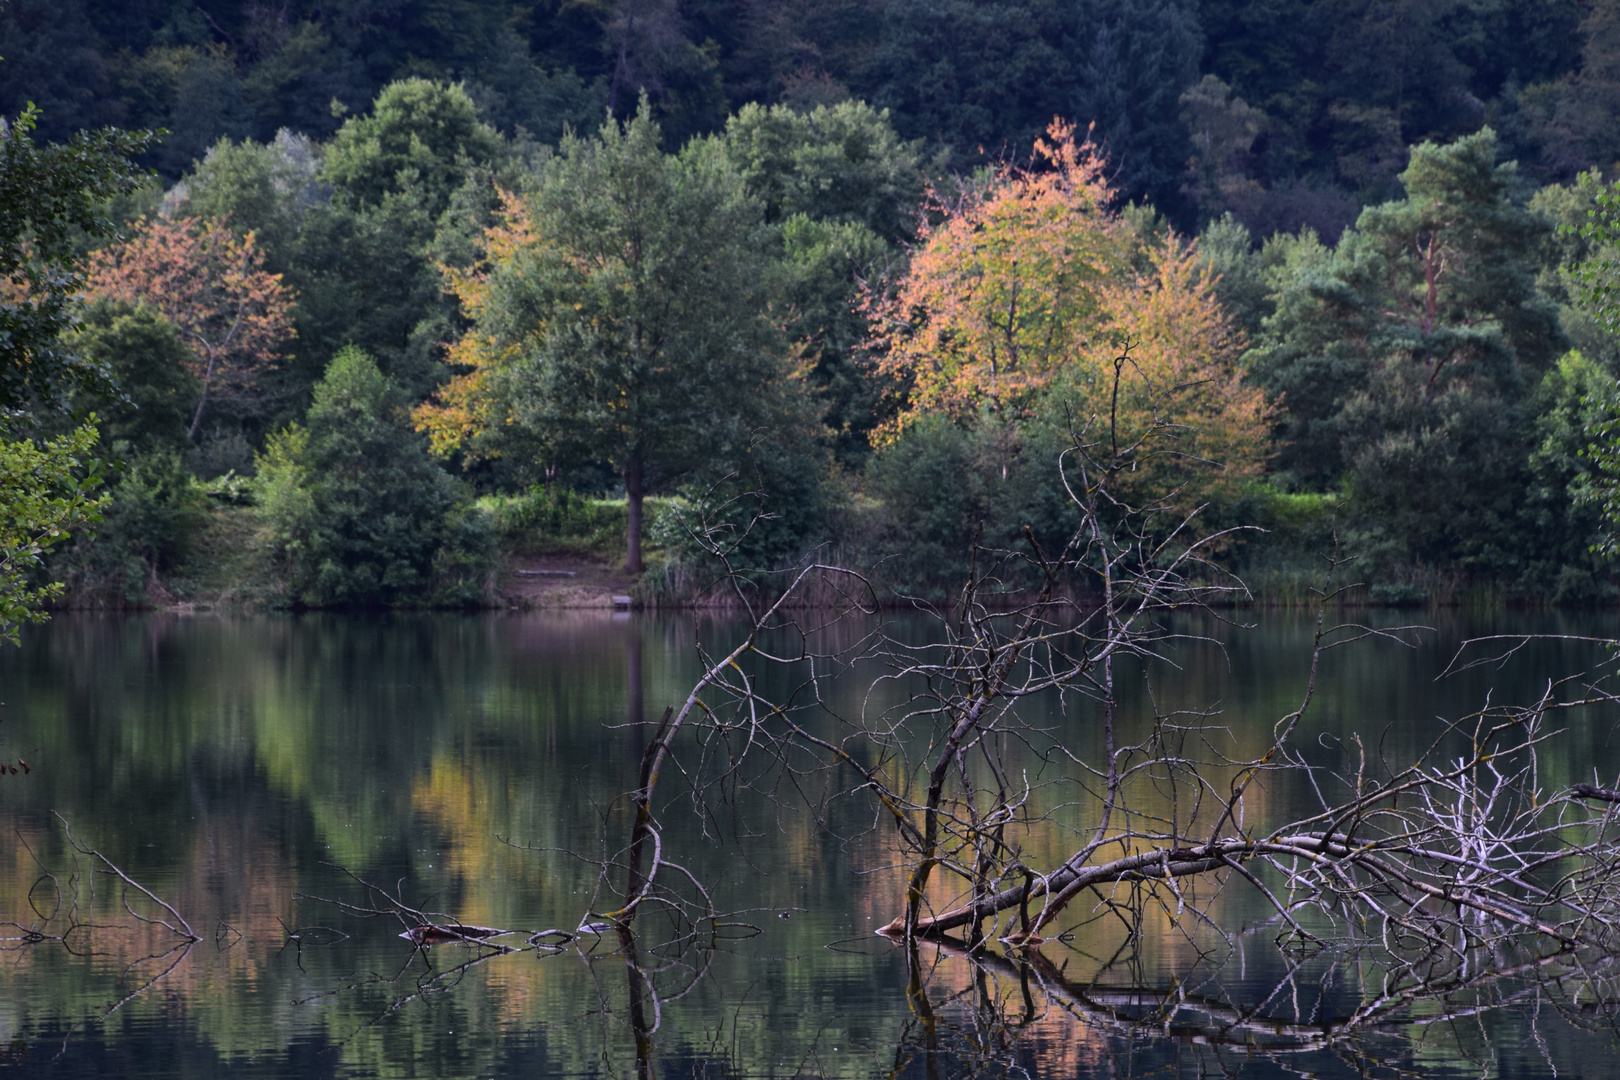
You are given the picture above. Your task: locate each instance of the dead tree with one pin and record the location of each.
(1462, 845)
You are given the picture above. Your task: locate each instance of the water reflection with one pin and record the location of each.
(243, 769)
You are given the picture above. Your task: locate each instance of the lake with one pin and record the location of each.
(285, 784)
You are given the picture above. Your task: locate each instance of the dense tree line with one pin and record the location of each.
(1295, 111)
(829, 272)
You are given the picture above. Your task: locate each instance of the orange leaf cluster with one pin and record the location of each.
(1181, 372)
(212, 285)
(1004, 288)
(463, 407)
(1036, 284)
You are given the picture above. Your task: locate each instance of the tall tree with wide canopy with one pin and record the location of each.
(1027, 294)
(618, 316)
(1402, 359)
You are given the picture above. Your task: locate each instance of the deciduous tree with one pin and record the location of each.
(47, 195)
(1005, 290)
(45, 491)
(418, 132)
(212, 286)
(1036, 286)
(618, 316)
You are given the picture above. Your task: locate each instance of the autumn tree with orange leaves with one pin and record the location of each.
(1020, 299)
(212, 285)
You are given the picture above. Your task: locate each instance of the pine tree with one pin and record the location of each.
(1134, 60)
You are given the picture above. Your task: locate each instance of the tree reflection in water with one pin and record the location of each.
(990, 1009)
(978, 1011)
(982, 1013)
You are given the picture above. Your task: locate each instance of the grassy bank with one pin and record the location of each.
(223, 559)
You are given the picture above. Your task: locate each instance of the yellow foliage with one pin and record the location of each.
(1035, 287)
(464, 406)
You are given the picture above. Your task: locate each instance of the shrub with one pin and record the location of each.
(145, 526)
(355, 510)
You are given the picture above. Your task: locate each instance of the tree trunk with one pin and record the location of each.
(207, 381)
(632, 498)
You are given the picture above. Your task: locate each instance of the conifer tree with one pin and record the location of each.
(1402, 359)
(1134, 60)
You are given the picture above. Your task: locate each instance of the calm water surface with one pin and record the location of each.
(252, 771)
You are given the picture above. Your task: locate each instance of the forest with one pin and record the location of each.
(345, 304)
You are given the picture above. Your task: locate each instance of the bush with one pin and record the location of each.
(933, 497)
(356, 511)
(550, 517)
(154, 507)
(152, 365)
(763, 515)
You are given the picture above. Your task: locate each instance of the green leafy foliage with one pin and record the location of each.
(682, 314)
(842, 163)
(1402, 359)
(45, 491)
(48, 196)
(356, 511)
(419, 134)
(268, 189)
(621, 319)
(933, 501)
(152, 509)
(841, 192)
(1564, 509)
(150, 362)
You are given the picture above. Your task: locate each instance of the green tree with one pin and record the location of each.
(1443, 279)
(933, 492)
(146, 355)
(365, 278)
(151, 511)
(513, 92)
(268, 189)
(364, 267)
(1401, 360)
(1227, 249)
(619, 317)
(1568, 122)
(356, 510)
(840, 191)
(1571, 405)
(48, 196)
(842, 163)
(419, 134)
(1594, 247)
(45, 493)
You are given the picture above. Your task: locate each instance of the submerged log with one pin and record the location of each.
(441, 934)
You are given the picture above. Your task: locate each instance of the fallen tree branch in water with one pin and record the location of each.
(1455, 844)
(182, 930)
(1027, 992)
